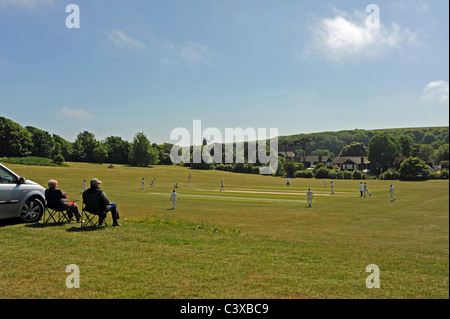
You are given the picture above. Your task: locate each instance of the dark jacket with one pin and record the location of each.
(95, 196)
(57, 199)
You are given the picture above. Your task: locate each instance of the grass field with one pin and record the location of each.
(258, 239)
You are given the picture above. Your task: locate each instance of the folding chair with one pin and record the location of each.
(92, 208)
(50, 214)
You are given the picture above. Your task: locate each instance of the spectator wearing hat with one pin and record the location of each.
(104, 202)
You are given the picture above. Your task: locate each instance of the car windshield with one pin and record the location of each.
(6, 177)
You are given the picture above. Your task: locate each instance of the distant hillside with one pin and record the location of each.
(335, 141)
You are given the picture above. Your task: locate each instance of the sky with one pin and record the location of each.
(153, 66)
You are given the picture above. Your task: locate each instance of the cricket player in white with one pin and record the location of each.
(173, 198)
(84, 185)
(332, 188)
(222, 186)
(366, 190)
(143, 184)
(325, 183)
(361, 189)
(309, 197)
(391, 190)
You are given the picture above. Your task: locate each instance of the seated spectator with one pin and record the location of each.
(57, 200)
(97, 203)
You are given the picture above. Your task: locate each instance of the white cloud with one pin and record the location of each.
(123, 41)
(74, 114)
(436, 91)
(25, 4)
(190, 53)
(346, 37)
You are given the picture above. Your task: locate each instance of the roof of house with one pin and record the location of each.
(354, 159)
(315, 158)
(287, 154)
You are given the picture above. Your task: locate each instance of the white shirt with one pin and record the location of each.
(309, 194)
(174, 196)
(361, 187)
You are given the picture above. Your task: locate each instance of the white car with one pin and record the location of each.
(20, 197)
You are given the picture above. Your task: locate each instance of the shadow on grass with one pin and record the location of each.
(87, 228)
(42, 225)
(10, 222)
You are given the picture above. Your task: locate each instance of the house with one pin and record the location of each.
(288, 155)
(351, 163)
(313, 160)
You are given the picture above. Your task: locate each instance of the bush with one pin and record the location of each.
(344, 175)
(31, 160)
(289, 168)
(318, 166)
(332, 174)
(304, 174)
(390, 175)
(439, 175)
(58, 159)
(322, 172)
(356, 174)
(413, 169)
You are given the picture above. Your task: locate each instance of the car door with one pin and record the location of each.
(10, 194)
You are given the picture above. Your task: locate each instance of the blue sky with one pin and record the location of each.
(152, 66)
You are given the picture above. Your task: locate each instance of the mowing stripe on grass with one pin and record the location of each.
(235, 198)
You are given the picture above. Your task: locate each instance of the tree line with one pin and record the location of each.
(385, 148)
(18, 141)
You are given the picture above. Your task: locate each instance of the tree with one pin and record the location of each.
(406, 143)
(303, 143)
(165, 159)
(354, 149)
(383, 148)
(428, 138)
(86, 143)
(425, 152)
(14, 139)
(440, 154)
(118, 150)
(100, 153)
(412, 169)
(206, 160)
(43, 142)
(289, 168)
(62, 147)
(142, 153)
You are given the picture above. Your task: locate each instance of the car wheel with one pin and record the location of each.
(32, 210)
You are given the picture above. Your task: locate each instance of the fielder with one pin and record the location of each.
(391, 190)
(143, 184)
(366, 190)
(361, 189)
(173, 198)
(332, 188)
(153, 181)
(222, 186)
(309, 197)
